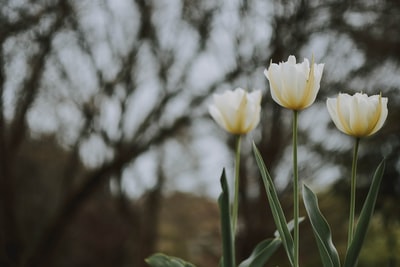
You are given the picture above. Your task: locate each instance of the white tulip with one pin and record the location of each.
(238, 112)
(358, 115)
(294, 86)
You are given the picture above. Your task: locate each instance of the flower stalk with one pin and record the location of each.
(295, 192)
(353, 192)
(235, 206)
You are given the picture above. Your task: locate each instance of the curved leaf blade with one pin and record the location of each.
(261, 253)
(162, 260)
(321, 229)
(365, 217)
(276, 208)
(228, 255)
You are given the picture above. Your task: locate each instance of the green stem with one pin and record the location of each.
(236, 193)
(295, 192)
(353, 193)
(235, 206)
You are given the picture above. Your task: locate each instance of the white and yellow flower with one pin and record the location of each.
(359, 115)
(238, 112)
(294, 85)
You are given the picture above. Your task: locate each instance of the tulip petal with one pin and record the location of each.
(276, 84)
(372, 112)
(382, 115)
(331, 104)
(318, 70)
(218, 117)
(290, 93)
(309, 85)
(343, 112)
(357, 123)
(252, 111)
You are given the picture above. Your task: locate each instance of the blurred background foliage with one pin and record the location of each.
(108, 153)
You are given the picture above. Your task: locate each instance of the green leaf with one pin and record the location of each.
(365, 217)
(265, 249)
(321, 229)
(228, 255)
(162, 260)
(261, 253)
(276, 208)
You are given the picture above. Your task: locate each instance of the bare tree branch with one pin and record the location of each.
(32, 83)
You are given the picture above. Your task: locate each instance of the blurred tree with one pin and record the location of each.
(100, 78)
(103, 108)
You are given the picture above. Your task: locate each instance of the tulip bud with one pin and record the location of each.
(294, 86)
(358, 115)
(238, 112)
